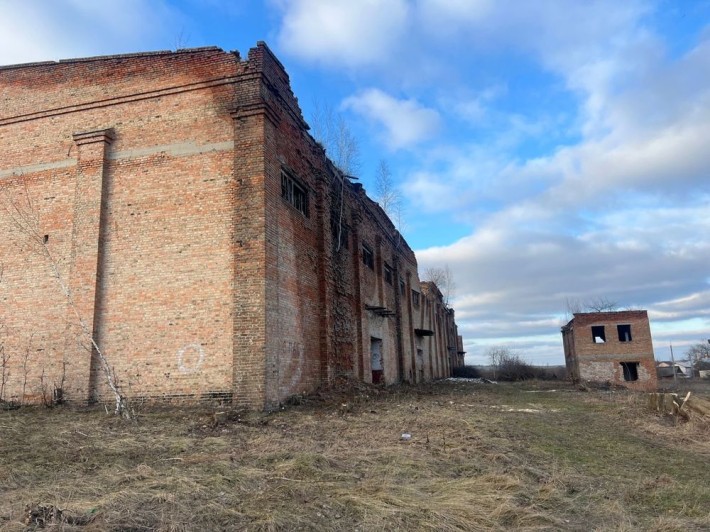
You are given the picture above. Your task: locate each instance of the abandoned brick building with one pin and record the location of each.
(204, 236)
(613, 347)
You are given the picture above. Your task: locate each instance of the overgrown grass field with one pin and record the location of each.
(524, 456)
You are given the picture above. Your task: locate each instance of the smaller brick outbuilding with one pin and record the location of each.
(611, 347)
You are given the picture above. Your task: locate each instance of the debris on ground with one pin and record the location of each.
(673, 404)
(41, 516)
(474, 380)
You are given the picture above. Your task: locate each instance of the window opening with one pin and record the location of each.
(402, 287)
(631, 371)
(389, 274)
(368, 259)
(598, 335)
(415, 299)
(624, 333)
(295, 193)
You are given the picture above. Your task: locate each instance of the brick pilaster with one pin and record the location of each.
(92, 148)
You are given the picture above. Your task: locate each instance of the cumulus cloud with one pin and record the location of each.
(515, 272)
(342, 32)
(36, 30)
(406, 122)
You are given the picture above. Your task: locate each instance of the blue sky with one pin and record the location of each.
(545, 150)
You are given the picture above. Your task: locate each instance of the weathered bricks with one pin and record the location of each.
(157, 180)
(598, 349)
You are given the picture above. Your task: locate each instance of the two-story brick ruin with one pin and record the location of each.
(205, 238)
(612, 347)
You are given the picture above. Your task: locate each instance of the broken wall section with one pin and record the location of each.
(613, 347)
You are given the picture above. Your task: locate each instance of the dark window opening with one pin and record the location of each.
(598, 335)
(295, 193)
(389, 274)
(402, 287)
(415, 298)
(46, 238)
(624, 333)
(368, 258)
(631, 371)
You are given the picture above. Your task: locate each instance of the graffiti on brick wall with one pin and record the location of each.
(190, 358)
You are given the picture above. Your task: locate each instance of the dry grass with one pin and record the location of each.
(481, 457)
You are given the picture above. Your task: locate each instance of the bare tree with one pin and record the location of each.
(601, 304)
(698, 352)
(386, 194)
(182, 39)
(25, 217)
(574, 305)
(4, 363)
(444, 280)
(496, 355)
(332, 131)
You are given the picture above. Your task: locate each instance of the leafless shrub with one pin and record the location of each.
(443, 278)
(508, 365)
(26, 367)
(332, 131)
(25, 217)
(4, 370)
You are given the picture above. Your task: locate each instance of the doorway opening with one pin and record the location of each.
(376, 360)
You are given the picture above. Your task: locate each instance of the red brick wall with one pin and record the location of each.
(155, 284)
(601, 362)
(157, 180)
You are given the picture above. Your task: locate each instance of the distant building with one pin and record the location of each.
(613, 347)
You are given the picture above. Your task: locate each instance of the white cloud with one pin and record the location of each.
(36, 30)
(342, 32)
(406, 122)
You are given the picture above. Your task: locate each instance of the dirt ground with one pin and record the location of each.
(453, 455)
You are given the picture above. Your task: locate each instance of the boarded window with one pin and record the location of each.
(598, 335)
(294, 193)
(631, 371)
(368, 258)
(624, 333)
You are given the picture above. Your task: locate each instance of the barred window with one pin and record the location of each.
(295, 193)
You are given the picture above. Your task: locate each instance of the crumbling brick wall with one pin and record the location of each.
(613, 347)
(156, 184)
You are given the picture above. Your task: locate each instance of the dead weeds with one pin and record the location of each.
(480, 457)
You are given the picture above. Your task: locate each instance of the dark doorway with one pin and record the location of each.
(376, 360)
(631, 371)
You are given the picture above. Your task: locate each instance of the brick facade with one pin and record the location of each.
(613, 347)
(205, 238)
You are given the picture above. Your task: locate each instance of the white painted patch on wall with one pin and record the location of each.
(190, 358)
(293, 370)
